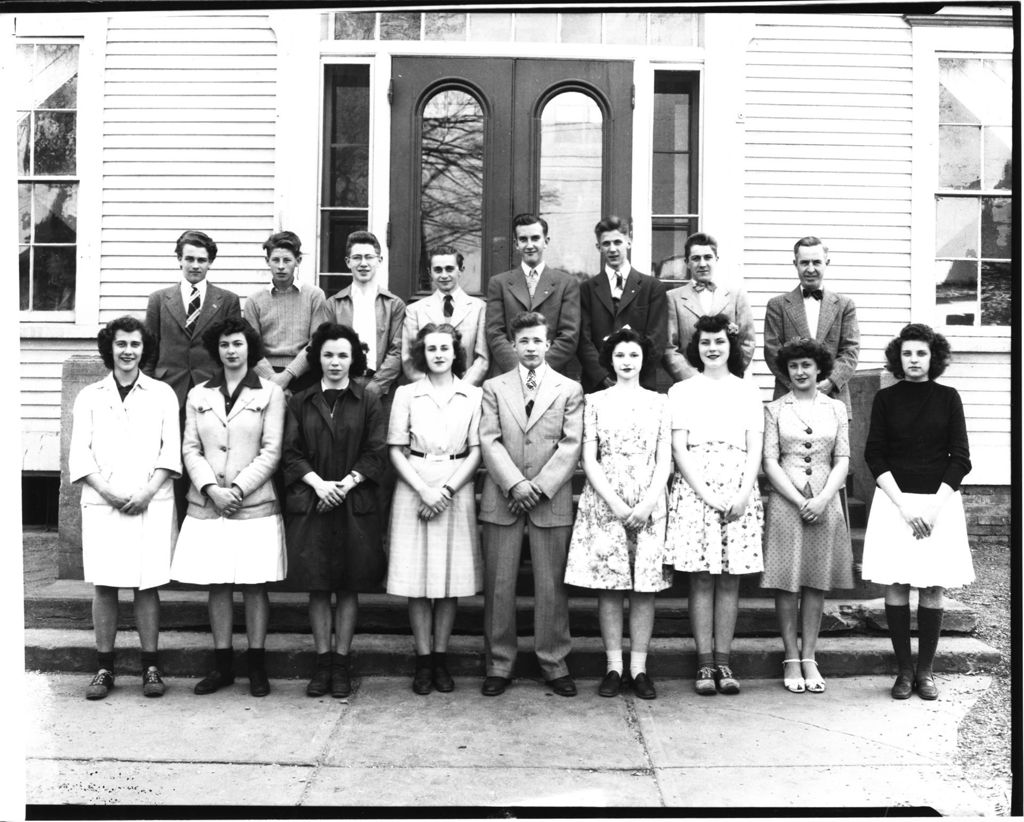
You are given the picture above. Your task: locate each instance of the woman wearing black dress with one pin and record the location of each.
(917, 534)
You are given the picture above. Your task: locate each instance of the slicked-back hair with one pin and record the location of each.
(627, 335)
(288, 240)
(419, 347)
(446, 251)
(527, 319)
(233, 325)
(528, 219)
(798, 349)
(699, 238)
(336, 331)
(808, 242)
(365, 237)
(712, 325)
(128, 324)
(919, 332)
(611, 223)
(198, 239)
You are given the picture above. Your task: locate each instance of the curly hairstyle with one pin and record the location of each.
(919, 332)
(800, 348)
(336, 331)
(419, 346)
(288, 240)
(627, 334)
(105, 340)
(712, 325)
(233, 325)
(527, 319)
(197, 238)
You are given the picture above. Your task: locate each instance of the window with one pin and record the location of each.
(344, 201)
(48, 183)
(973, 204)
(674, 184)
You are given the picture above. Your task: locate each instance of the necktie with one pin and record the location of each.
(618, 283)
(701, 286)
(531, 280)
(192, 312)
(812, 292)
(449, 309)
(531, 380)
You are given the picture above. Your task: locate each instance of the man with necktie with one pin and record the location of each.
(619, 296)
(448, 304)
(533, 286)
(531, 432)
(814, 312)
(700, 297)
(177, 316)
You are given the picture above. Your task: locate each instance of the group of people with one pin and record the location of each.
(331, 446)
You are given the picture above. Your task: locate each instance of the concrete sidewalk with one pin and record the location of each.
(851, 747)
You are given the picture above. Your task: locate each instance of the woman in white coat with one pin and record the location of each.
(125, 451)
(233, 532)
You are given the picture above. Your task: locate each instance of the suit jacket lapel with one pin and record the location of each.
(209, 310)
(603, 292)
(546, 393)
(518, 287)
(827, 313)
(545, 286)
(460, 308)
(630, 288)
(688, 300)
(175, 307)
(245, 399)
(512, 391)
(795, 308)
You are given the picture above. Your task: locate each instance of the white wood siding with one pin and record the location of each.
(829, 147)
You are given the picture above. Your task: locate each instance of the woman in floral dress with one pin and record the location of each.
(715, 517)
(618, 539)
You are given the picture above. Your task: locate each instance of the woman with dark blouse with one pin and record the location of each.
(917, 534)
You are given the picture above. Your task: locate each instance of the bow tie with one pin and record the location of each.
(812, 292)
(701, 286)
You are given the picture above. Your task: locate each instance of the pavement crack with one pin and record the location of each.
(633, 722)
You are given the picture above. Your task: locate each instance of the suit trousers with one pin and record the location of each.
(502, 547)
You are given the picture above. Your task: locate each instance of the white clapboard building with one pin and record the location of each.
(888, 135)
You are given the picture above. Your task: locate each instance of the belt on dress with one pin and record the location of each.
(439, 457)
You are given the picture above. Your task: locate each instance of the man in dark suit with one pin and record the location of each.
(178, 315)
(532, 287)
(815, 312)
(619, 296)
(531, 434)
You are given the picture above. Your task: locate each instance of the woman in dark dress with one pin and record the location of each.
(334, 454)
(917, 534)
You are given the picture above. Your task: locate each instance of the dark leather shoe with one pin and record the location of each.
(423, 681)
(611, 684)
(259, 685)
(152, 683)
(903, 686)
(341, 682)
(643, 687)
(320, 684)
(442, 679)
(494, 685)
(926, 688)
(101, 685)
(213, 682)
(563, 686)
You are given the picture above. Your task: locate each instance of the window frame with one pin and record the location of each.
(935, 39)
(87, 31)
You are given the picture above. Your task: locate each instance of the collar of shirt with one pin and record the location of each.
(539, 372)
(611, 273)
(424, 387)
(296, 285)
(363, 292)
(250, 380)
(457, 295)
(539, 268)
(186, 291)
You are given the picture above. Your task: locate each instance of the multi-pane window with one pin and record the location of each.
(345, 202)
(973, 205)
(47, 89)
(674, 179)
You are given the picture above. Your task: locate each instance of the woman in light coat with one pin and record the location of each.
(233, 532)
(125, 452)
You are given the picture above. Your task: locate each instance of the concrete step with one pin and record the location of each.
(67, 604)
(291, 655)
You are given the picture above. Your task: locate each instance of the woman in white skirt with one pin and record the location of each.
(714, 514)
(435, 547)
(618, 539)
(233, 533)
(916, 537)
(125, 450)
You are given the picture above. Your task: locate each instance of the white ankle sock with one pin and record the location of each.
(614, 661)
(637, 663)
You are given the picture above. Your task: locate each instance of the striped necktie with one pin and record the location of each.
(192, 312)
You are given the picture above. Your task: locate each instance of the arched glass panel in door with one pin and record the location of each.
(571, 149)
(452, 181)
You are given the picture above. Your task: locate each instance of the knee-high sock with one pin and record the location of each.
(929, 624)
(898, 617)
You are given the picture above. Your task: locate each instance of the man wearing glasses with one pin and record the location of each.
(374, 312)
(448, 304)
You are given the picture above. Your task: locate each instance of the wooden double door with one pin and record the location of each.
(475, 141)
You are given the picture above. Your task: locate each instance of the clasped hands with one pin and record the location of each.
(433, 501)
(131, 504)
(730, 509)
(633, 517)
(524, 496)
(812, 509)
(332, 493)
(920, 517)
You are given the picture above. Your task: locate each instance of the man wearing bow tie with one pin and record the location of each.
(702, 296)
(811, 311)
